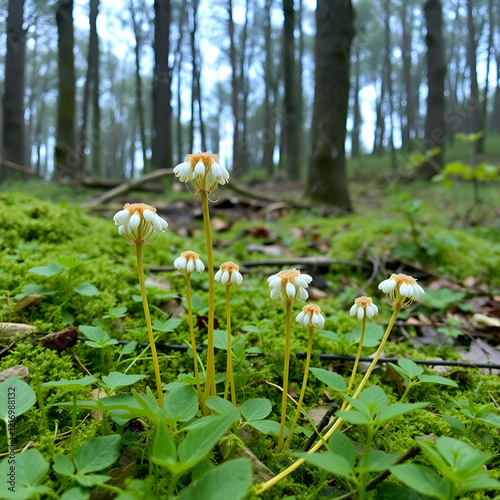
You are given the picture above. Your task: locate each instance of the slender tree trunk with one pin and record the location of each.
(409, 131)
(474, 105)
(300, 98)
(243, 85)
(495, 115)
(269, 133)
(292, 124)
(435, 126)
(162, 110)
(178, 70)
(378, 140)
(234, 89)
(13, 130)
(327, 180)
(356, 111)
(66, 158)
(388, 75)
(484, 108)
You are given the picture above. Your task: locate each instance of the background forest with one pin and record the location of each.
(113, 89)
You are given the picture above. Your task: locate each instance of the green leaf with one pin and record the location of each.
(220, 339)
(71, 384)
(166, 326)
(71, 262)
(117, 312)
(164, 449)
(90, 480)
(269, 427)
(461, 456)
(354, 417)
(331, 379)
(411, 368)
(221, 406)
(251, 329)
(442, 298)
(340, 444)
(331, 462)
(63, 465)
(94, 333)
(181, 403)
(16, 398)
(86, 288)
(75, 494)
(97, 454)
(116, 379)
(396, 409)
(29, 469)
(130, 347)
(455, 424)
(422, 479)
(201, 440)
(378, 461)
(256, 409)
(436, 379)
(49, 270)
(231, 480)
(373, 334)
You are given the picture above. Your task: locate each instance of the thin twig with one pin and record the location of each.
(322, 424)
(81, 364)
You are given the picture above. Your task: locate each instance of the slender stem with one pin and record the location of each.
(140, 270)
(229, 368)
(210, 389)
(303, 390)
(356, 362)
(288, 314)
(275, 480)
(193, 341)
(73, 424)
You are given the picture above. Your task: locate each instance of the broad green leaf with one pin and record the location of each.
(200, 441)
(231, 480)
(129, 348)
(138, 490)
(256, 409)
(328, 334)
(455, 424)
(422, 479)
(90, 480)
(94, 333)
(480, 481)
(181, 403)
(166, 326)
(378, 461)
(251, 329)
(354, 417)
(75, 494)
(117, 312)
(164, 449)
(410, 367)
(221, 406)
(71, 262)
(97, 454)
(116, 379)
(436, 379)
(220, 339)
(24, 476)
(331, 462)
(488, 419)
(16, 398)
(462, 457)
(87, 289)
(373, 334)
(74, 385)
(397, 409)
(63, 465)
(49, 270)
(340, 444)
(331, 379)
(269, 427)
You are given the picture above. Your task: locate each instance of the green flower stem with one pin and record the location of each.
(276, 479)
(229, 370)
(210, 389)
(140, 270)
(73, 424)
(193, 341)
(303, 390)
(356, 362)
(288, 314)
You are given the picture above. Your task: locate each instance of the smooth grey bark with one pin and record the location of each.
(474, 105)
(327, 179)
(14, 128)
(234, 89)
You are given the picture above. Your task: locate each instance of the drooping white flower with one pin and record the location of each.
(289, 286)
(311, 317)
(363, 306)
(229, 274)
(402, 288)
(189, 262)
(202, 171)
(138, 222)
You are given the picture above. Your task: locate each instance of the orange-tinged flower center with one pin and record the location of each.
(363, 302)
(229, 267)
(288, 276)
(189, 255)
(310, 309)
(138, 208)
(403, 279)
(207, 159)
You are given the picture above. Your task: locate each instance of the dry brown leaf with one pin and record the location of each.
(10, 330)
(316, 294)
(483, 320)
(220, 225)
(32, 299)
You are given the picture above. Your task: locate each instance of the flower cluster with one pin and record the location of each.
(363, 306)
(137, 222)
(202, 171)
(289, 286)
(229, 274)
(189, 262)
(402, 289)
(311, 317)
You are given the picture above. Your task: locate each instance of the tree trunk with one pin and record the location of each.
(300, 97)
(378, 139)
(387, 71)
(245, 150)
(234, 89)
(435, 126)
(409, 131)
(484, 108)
(495, 115)
(162, 110)
(474, 105)
(269, 133)
(13, 131)
(327, 180)
(356, 111)
(66, 158)
(292, 124)
(177, 70)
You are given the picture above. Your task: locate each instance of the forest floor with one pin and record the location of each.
(61, 266)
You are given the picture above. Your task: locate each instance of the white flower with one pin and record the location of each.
(229, 274)
(202, 171)
(289, 286)
(402, 289)
(189, 262)
(137, 222)
(363, 306)
(311, 317)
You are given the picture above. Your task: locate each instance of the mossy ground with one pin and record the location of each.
(34, 232)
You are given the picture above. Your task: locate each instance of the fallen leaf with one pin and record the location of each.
(59, 341)
(10, 330)
(483, 320)
(472, 281)
(32, 299)
(19, 371)
(220, 225)
(271, 250)
(481, 352)
(316, 294)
